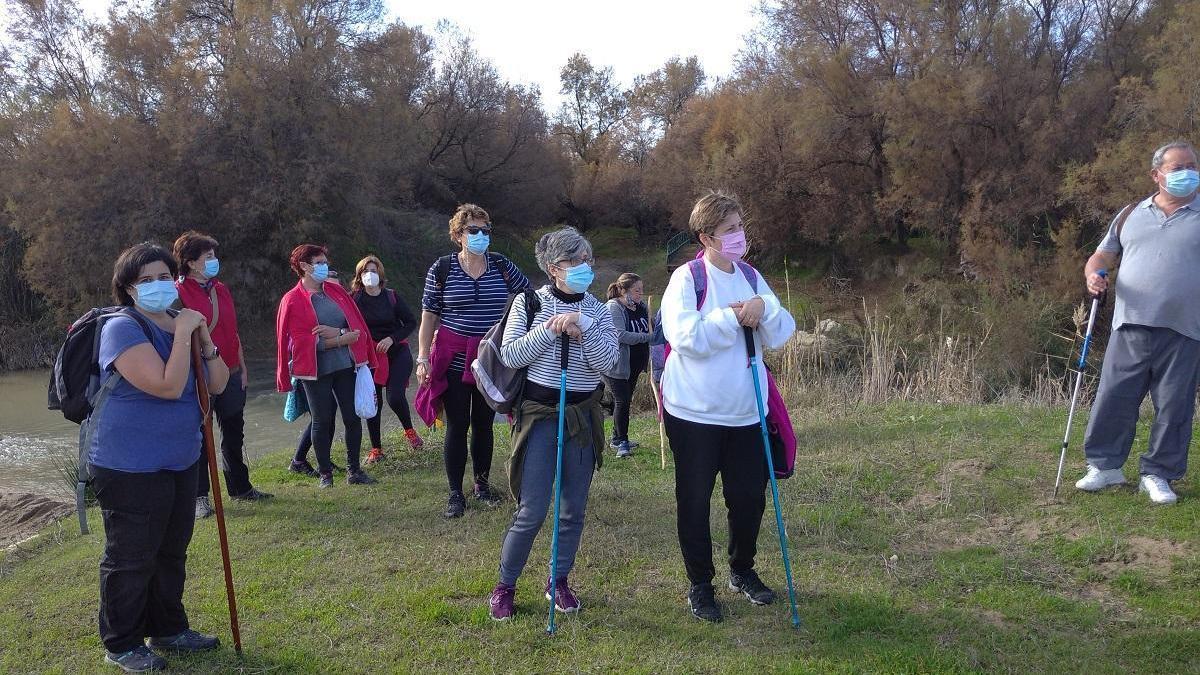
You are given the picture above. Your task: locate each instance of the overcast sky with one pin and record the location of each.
(530, 40)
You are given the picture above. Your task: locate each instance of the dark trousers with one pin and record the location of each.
(1141, 360)
(148, 521)
(326, 395)
(622, 395)
(229, 408)
(465, 407)
(400, 367)
(701, 452)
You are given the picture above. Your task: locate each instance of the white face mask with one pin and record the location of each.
(370, 279)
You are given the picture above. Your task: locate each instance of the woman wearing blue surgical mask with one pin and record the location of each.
(317, 332)
(199, 289)
(144, 455)
(465, 295)
(535, 343)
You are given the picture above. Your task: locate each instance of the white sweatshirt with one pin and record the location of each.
(707, 378)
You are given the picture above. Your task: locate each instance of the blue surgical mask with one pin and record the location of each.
(320, 272)
(156, 296)
(1183, 182)
(212, 267)
(579, 277)
(478, 243)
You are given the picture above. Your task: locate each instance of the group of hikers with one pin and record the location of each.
(145, 451)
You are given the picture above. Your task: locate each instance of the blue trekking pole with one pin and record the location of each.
(762, 423)
(1087, 341)
(562, 416)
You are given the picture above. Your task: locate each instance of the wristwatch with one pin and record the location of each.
(341, 332)
(215, 355)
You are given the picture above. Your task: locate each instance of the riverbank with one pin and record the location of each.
(23, 515)
(922, 541)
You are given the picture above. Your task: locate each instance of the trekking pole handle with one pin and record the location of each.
(1101, 296)
(748, 332)
(566, 346)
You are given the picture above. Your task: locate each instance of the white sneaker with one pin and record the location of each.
(1098, 479)
(1158, 488)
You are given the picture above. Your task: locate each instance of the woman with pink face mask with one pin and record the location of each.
(709, 409)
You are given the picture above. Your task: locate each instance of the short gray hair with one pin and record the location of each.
(1160, 154)
(564, 244)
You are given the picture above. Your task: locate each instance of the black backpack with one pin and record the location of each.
(75, 386)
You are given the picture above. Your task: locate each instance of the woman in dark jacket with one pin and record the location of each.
(629, 317)
(390, 322)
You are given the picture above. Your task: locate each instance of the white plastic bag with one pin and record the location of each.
(364, 393)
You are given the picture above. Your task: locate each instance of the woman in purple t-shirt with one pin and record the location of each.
(144, 456)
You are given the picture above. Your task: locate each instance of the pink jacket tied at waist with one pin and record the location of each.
(446, 344)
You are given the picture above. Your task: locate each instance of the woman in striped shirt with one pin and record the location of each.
(465, 294)
(565, 308)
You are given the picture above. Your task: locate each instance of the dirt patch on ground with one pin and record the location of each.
(1153, 556)
(951, 479)
(22, 515)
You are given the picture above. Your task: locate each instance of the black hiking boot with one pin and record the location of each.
(747, 583)
(456, 505)
(303, 468)
(484, 493)
(702, 600)
(359, 477)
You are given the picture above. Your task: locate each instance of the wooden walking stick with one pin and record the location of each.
(662, 432)
(215, 481)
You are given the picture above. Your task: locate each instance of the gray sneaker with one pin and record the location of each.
(203, 508)
(140, 659)
(187, 641)
(623, 450)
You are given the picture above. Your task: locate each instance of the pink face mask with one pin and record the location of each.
(733, 245)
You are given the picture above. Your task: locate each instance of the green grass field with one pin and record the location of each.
(923, 540)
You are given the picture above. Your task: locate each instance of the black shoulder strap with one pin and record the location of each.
(392, 297)
(499, 261)
(532, 306)
(442, 273)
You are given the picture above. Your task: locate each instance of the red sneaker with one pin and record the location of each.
(413, 439)
(374, 456)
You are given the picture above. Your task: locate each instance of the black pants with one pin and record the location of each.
(229, 408)
(464, 407)
(622, 394)
(148, 521)
(326, 396)
(701, 452)
(305, 442)
(400, 367)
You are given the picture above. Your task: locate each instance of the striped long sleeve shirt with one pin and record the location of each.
(538, 349)
(470, 306)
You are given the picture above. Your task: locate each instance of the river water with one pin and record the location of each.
(34, 440)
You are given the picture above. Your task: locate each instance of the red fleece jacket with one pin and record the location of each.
(225, 334)
(294, 339)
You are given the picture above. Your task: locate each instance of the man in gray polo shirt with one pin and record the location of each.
(1155, 343)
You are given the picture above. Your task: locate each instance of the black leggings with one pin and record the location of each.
(400, 367)
(622, 394)
(701, 452)
(326, 395)
(464, 407)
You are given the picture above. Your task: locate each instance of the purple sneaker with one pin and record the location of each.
(564, 597)
(501, 603)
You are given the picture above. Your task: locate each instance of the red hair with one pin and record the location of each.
(304, 253)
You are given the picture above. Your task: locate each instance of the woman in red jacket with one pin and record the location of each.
(317, 332)
(199, 290)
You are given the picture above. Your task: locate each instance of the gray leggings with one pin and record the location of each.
(537, 496)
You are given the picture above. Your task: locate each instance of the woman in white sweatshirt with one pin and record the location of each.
(708, 396)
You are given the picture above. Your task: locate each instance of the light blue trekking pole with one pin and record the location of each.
(562, 417)
(1083, 352)
(762, 423)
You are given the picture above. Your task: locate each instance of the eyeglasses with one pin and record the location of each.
(563, 264)
(477, 230)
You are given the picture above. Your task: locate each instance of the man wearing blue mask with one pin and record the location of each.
(1155, 342)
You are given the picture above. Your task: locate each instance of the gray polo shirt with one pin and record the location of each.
(1159, 283)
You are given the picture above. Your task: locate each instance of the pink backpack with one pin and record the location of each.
(779, 423)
